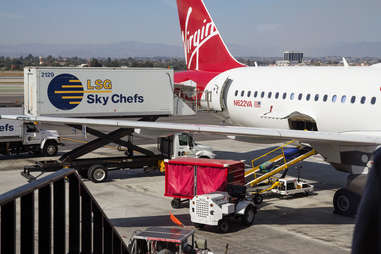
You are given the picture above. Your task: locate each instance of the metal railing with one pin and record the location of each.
(56, 214)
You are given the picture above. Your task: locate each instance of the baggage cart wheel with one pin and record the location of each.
(223, 225)
(176, 203)
(97, 173)
(249, 216)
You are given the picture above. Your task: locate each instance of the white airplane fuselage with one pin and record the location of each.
(339, 99)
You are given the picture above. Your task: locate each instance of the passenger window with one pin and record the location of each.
(353, 99)
(343, 98)
(363, 100)
(325, 98)
(236, 93)
(373, 101)
(292, 96)
(316, 97)
(242, 93)
(262, 94)
(334, 98)
(308, 97)
(248, 93)
(277, 95)
(284, 96)
(300, 97)
(255, 94)
(270, 94)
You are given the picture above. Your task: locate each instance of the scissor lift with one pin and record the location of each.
(263, 175)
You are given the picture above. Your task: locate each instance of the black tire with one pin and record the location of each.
(97, 173)
(176, 203)
(249, 216)
(224, 225)
(50, 148)
(345, 202)
(258, 199)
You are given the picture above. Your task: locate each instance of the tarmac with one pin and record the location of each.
(134, 200)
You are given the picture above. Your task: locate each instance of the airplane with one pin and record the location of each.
(332, 109)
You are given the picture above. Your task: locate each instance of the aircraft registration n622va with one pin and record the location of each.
(338, 106)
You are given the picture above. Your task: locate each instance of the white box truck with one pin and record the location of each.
(18, 136)
(100, 92)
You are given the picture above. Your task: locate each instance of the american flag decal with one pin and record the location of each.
(257, 104)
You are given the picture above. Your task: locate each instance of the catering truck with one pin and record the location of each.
(101, 92)
(18, 137)
(145, 94)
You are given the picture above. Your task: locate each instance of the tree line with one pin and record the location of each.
(18, 63)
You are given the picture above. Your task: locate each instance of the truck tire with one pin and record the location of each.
(249, 216)
(50, 148)
(345, 202)
(224, 225)
(97, 173)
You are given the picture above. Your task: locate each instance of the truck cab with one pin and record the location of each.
(39, 140)
(183, 145)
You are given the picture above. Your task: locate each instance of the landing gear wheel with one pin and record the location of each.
(176, 203)
(223, 226)
(97, 173)
(345, 202)
(50, 148)
(249, 216)
(258, 199)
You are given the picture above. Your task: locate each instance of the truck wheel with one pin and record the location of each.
(97, 173)
(50, 148)
(176, 203)
(258, 199)
(345, 202)
(249, 216)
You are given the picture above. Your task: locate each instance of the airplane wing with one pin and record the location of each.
(315, 137)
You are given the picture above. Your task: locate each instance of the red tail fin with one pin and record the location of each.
(203, 45)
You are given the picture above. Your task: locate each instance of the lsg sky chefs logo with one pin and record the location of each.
(66, 92)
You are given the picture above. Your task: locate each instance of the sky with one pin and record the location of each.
(250, 23)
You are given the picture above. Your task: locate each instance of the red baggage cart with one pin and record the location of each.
(187, 177)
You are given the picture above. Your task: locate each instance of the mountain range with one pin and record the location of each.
(142, 49)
